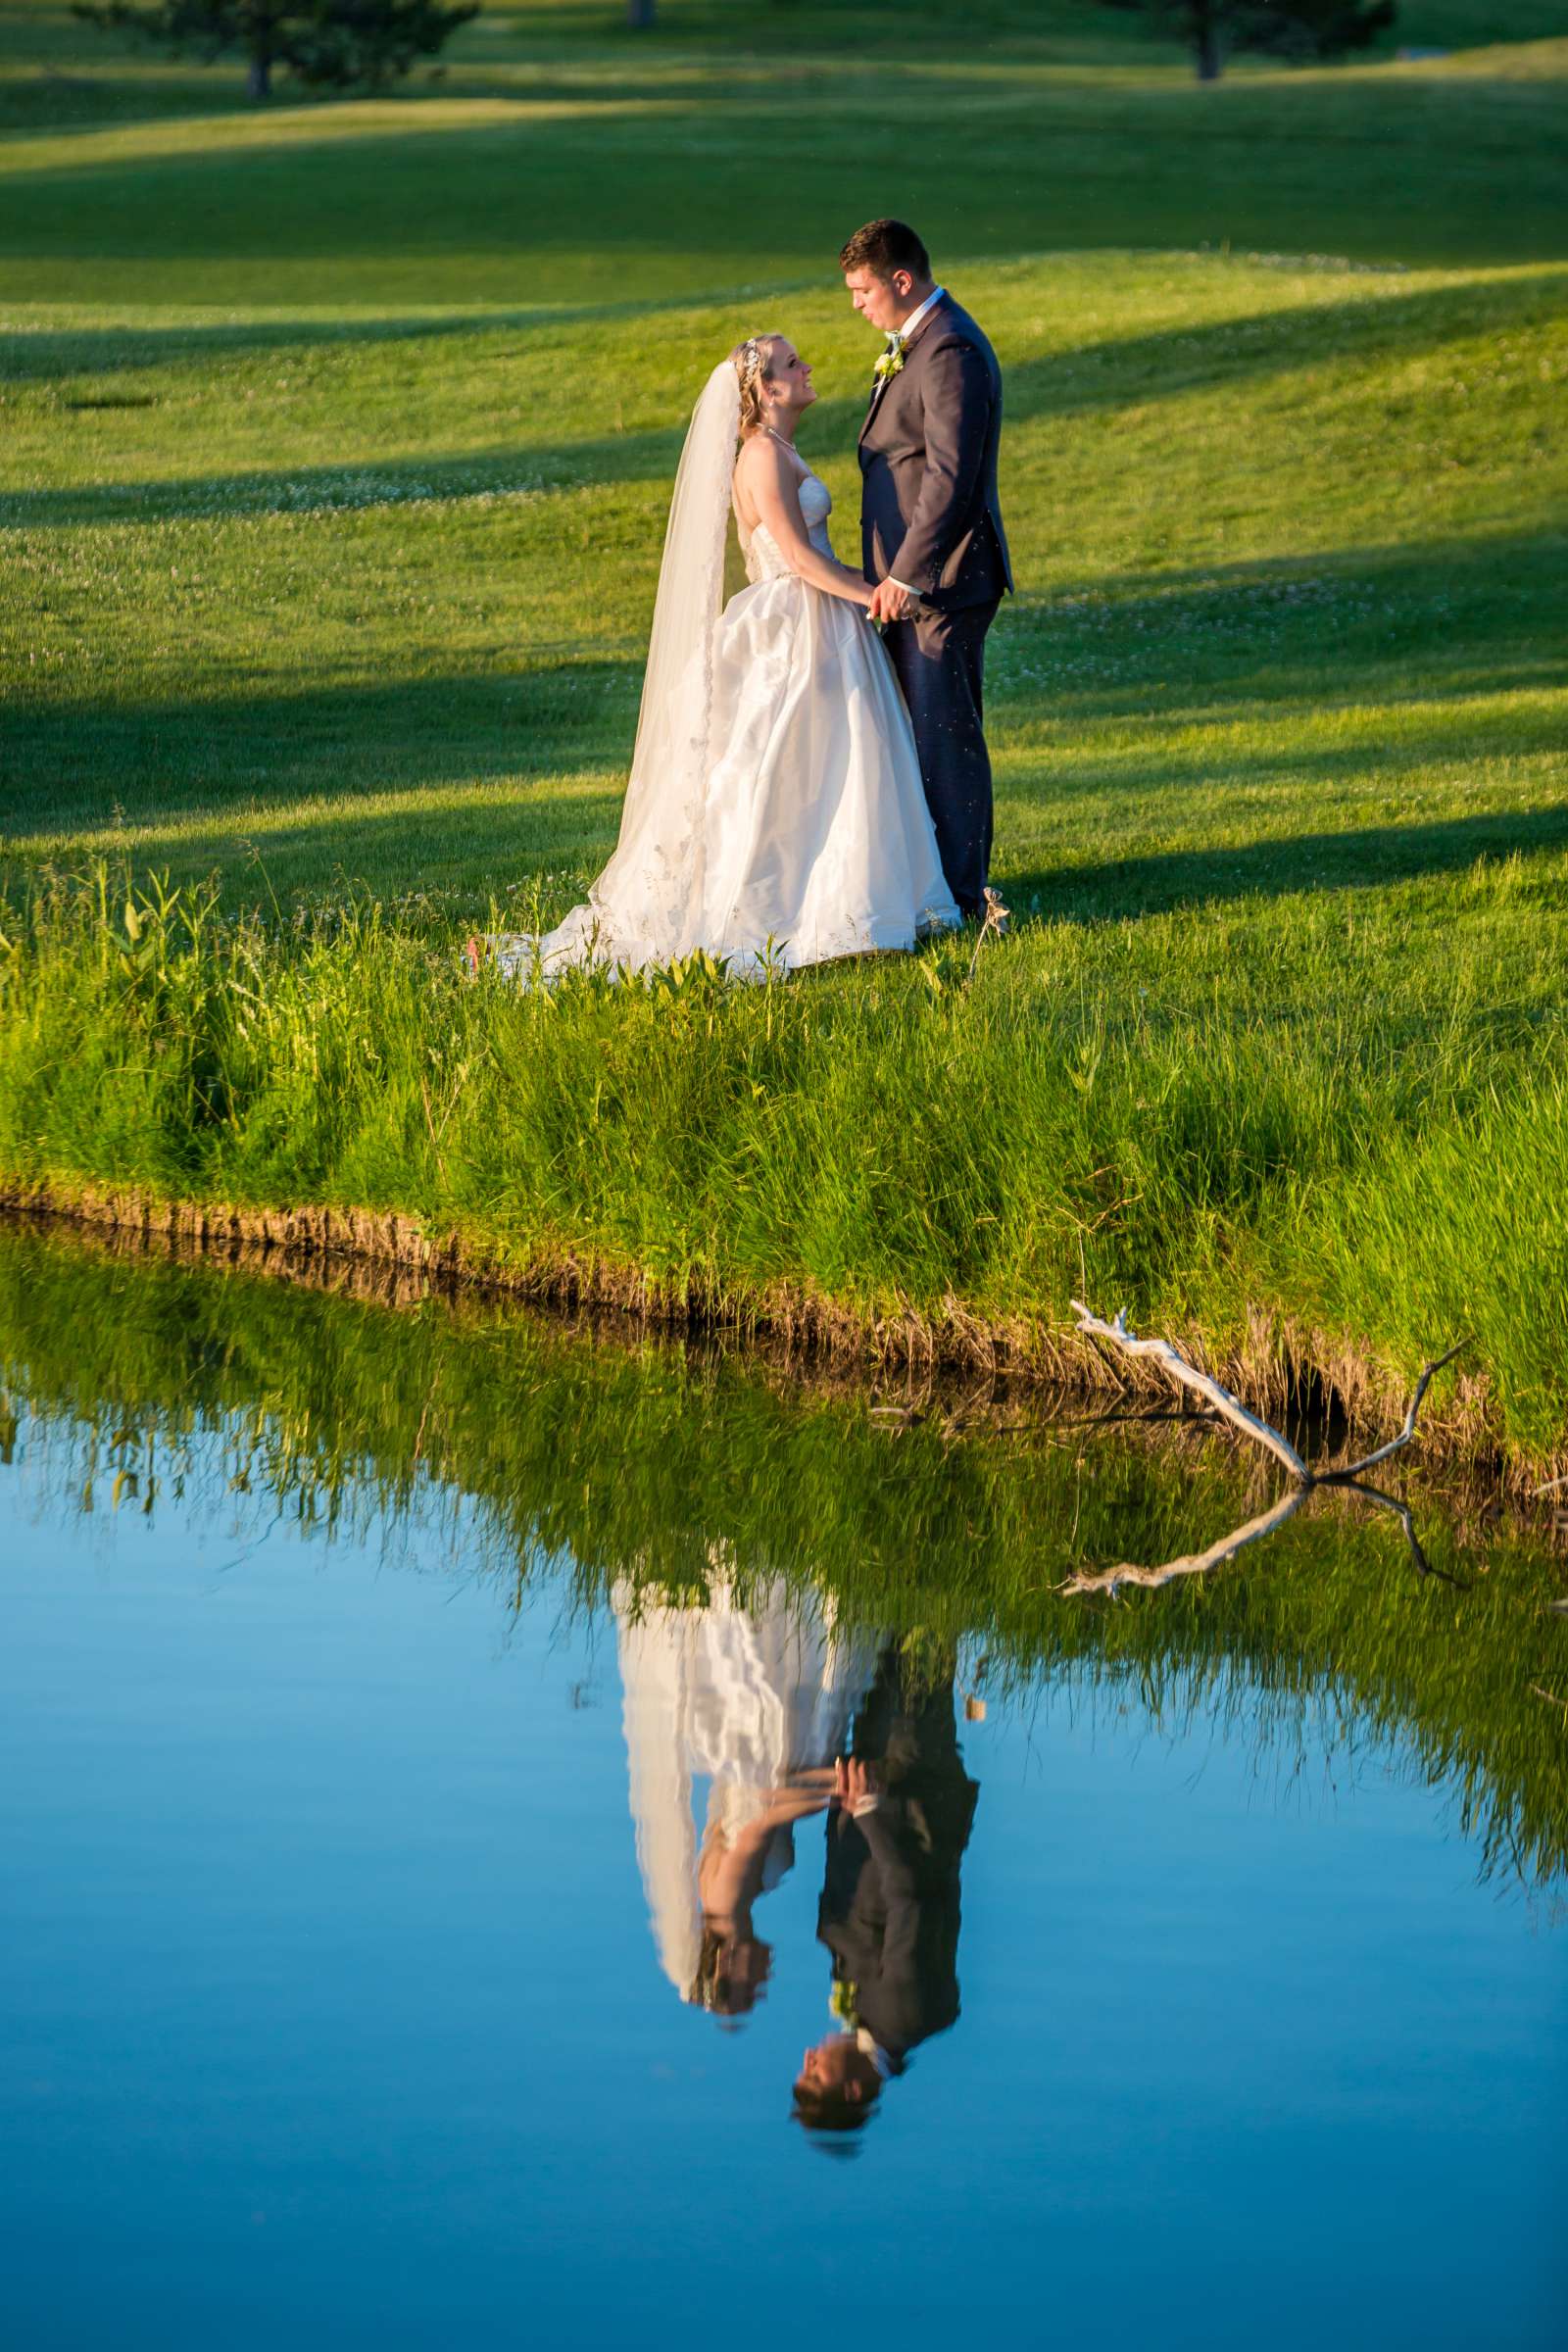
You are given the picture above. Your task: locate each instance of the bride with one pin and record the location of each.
(775, 815)
(754, 1694)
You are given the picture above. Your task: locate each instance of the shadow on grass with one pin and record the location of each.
(1331, 629)
(341, 489)
(1223, 352)
(474, 847)
(44, 353)
(1348, 768)
(98, 95)
(1361, 857)
(78, 765)
(1381, 168)
(524, 766)
(1399, 640)
(1168, 365)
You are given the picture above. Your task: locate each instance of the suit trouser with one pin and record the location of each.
(940, 661)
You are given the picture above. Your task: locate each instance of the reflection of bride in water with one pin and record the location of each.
(756, 1697)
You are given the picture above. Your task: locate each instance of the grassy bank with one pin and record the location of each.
(1372, 1169)
(336, 441)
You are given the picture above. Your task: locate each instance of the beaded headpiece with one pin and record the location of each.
(750, 361)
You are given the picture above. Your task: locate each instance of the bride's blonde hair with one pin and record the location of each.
(749, 361)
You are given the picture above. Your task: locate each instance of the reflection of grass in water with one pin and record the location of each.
(519, 1448)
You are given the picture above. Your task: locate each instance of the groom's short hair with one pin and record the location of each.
(883, 246)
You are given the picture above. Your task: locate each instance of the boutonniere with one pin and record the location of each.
(890, 363)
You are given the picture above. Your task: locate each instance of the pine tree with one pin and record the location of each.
(1293, 28)
(1308, 30)
(326, 44)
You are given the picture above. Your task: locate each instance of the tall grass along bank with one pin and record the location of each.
(1299, 1178)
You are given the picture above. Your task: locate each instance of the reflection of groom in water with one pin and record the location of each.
(889, 1915)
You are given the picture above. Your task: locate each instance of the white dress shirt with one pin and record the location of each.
(901, 335)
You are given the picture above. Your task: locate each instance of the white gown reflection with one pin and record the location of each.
(756, 1700)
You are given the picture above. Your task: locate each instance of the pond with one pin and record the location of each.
(439, 1914)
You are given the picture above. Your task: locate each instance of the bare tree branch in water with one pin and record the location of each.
(1251, 1425)
(1370, 1462)
(1407, 1518)
(1197, 1563)
(1171, 1360)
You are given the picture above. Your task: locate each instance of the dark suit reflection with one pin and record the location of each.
(889, 1913)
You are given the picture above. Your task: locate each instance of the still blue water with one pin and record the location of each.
(332, 2012)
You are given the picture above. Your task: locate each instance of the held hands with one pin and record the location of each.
(854, 1785)
(890, 602)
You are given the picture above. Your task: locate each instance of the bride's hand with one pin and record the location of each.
(890, 602)
(795, 1804)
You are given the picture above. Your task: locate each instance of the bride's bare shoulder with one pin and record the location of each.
(760, 459)
(762, 478)
(763, 470)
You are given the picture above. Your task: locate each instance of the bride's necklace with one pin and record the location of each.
(779, 438)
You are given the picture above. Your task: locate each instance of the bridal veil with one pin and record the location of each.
(645, 907)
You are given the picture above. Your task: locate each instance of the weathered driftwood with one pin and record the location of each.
(1303, 1476)
(1194, 1563)
(1407, 1518)
(1369, 1461)
(1171, 1360)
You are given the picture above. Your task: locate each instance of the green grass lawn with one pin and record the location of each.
(334, 447)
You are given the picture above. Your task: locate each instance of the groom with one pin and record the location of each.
(888, 1914)
(932, 541)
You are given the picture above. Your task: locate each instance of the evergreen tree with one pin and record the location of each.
(326, 44)
(1294, 29)
(1308, 30)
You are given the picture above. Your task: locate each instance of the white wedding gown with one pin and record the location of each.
(811, 838)
(739, 1696)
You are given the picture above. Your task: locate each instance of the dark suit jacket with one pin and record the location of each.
(929, 511)
(892, 1927)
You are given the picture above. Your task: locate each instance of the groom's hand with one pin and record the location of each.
(890, 602)
(854, 1785)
